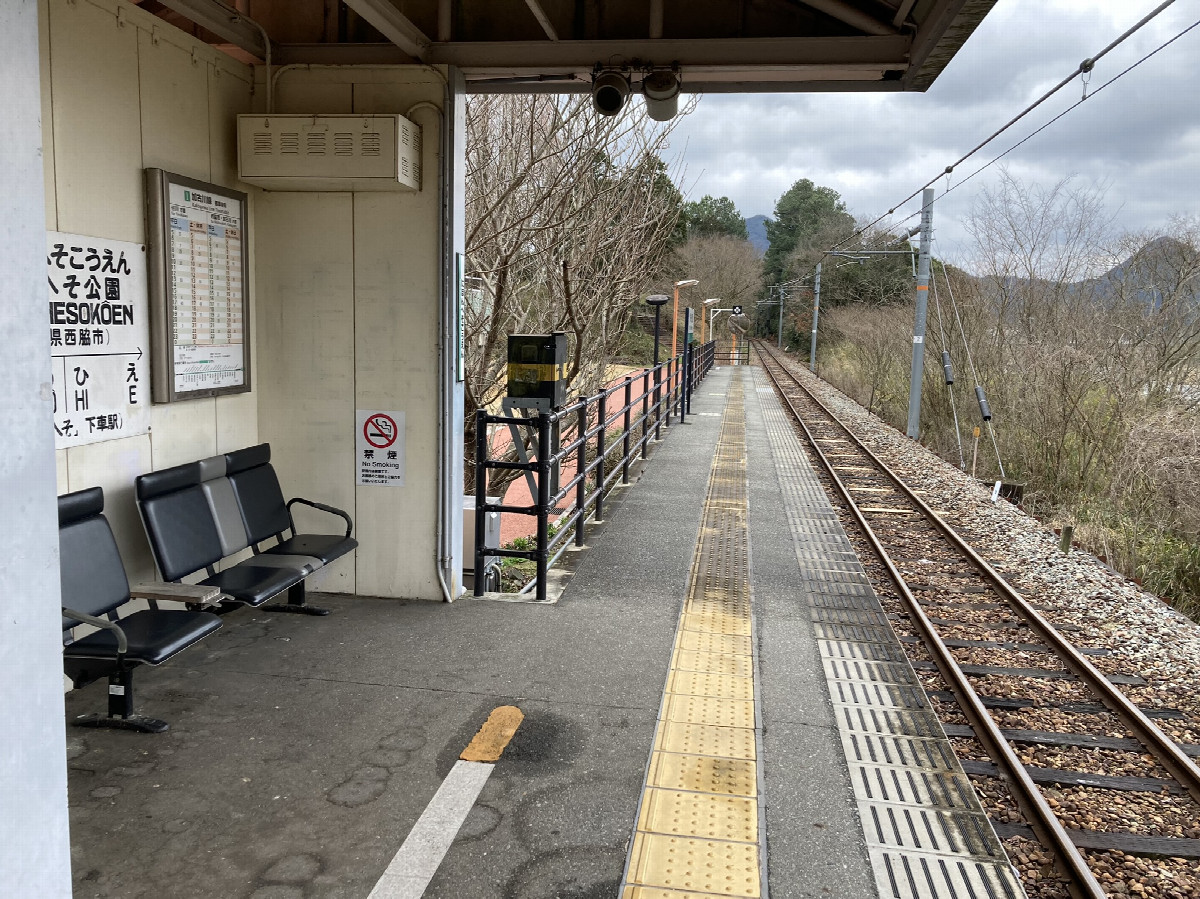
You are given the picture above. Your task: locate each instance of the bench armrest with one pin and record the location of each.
(324, 508)
(122, 643)
(195, 594)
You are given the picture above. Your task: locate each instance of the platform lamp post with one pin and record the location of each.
(657, 300)
(708, 302)
(675, 313)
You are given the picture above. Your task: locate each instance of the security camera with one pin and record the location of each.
(662, 95)
(609, 90)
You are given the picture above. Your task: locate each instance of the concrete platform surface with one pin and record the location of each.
(302, 750)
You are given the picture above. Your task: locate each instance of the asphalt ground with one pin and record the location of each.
(302, 750)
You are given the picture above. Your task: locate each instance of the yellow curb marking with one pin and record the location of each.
(488, 744)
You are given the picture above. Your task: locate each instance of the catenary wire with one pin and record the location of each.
(1084, 67)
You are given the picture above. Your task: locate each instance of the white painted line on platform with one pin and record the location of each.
(428, 842)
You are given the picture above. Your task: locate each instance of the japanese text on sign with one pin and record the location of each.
(99, 334)
(379, 448)
(205, 289)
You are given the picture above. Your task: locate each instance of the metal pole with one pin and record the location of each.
(812, 346)
(674, 321)
(690, 368)
(601, 446)
(625, 445)
(657, 311)
(480, 496)
(918, 354)
(645, 416)
(580, 465)
(780, 289)
(684, 375)
(657, 372)
(543, 503)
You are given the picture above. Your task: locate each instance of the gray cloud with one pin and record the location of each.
(1140, 137)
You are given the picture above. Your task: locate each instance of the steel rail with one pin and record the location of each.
(1166, 750)
(1044, 822)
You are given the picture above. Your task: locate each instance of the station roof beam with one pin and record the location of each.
(555, 46)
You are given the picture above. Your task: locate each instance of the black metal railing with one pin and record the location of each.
(731, 354)
(623, 418)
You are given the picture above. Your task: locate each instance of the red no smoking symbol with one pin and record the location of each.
(380, 430)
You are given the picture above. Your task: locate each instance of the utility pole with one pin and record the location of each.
(780, 289)
(918, 354)
(812, 349)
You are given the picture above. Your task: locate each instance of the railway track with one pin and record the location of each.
(1070, 769)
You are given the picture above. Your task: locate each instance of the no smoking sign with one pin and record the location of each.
(379, 448)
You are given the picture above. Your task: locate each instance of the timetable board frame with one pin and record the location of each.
(199, 275)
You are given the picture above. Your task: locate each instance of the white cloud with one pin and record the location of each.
(1140, 137)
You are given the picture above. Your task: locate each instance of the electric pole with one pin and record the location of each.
(812, 349)
(918, 354)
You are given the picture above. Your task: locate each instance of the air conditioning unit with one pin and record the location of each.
(329, 152)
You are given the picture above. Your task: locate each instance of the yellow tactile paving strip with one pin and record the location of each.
(697, 832)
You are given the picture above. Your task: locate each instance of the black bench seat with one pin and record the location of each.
(94, 587)
(266, 516)
(200, 513)
(184, 539)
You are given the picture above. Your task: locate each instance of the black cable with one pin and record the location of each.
(1071, 107)
(1084, 67)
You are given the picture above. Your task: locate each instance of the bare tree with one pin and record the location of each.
(728, 268)
(568, 215)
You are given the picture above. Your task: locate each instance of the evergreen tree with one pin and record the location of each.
(714, 217)
(801, 214)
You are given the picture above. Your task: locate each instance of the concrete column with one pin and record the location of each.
(35, 852)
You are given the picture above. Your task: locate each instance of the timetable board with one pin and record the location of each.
(198, 278)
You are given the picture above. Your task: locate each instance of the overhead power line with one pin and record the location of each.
(1083, 68)
(1080, 102)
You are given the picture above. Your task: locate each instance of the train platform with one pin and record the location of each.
(714, 706)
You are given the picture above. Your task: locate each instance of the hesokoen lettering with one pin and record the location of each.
(72, 313)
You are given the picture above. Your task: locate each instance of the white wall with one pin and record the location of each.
(34, 843)
(348, 315)
(123, 91)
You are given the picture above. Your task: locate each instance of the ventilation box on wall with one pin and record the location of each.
(329, 152)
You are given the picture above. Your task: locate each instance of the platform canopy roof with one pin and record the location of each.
(556, 45)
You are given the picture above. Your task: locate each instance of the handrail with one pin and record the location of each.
(665, 390)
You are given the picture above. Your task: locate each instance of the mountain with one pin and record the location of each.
(757, 228)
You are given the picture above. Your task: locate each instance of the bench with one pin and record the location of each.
(94, 588)
(201, 513)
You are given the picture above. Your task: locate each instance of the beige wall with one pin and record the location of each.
(345, 287)
(122, 91)
(348, 319)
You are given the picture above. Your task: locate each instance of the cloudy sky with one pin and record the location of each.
(1138, 138)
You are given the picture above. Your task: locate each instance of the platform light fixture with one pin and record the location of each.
(707, 302)
(687, 282)
(661, 90)
(610, 89)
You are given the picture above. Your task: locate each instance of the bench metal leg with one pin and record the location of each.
(120, 708)
(296, 603)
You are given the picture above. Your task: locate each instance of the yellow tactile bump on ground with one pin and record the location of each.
(703, 774)
(697, 826)
(706, 866)
(708, 815)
